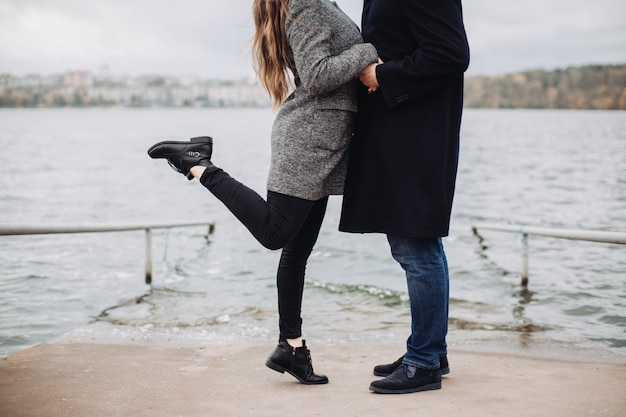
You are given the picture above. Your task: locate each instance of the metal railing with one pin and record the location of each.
(585, 235)
(42, 229)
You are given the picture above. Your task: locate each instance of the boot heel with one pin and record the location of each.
(275, 366)
(202, 139)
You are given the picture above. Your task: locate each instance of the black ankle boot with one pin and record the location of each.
(296, 362)
(182, 156)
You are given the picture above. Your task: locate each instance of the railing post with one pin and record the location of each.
(148, 256)
(7, 229)
(524, 260)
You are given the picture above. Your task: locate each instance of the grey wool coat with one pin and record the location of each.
(313, 128)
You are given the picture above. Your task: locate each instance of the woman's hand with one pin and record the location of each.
(368, 76)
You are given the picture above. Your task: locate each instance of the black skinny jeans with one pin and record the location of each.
(282, 221)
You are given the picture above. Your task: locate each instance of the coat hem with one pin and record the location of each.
(377, 230)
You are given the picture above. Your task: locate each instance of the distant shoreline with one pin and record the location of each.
(590, 87)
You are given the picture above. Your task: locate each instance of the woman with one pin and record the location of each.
(323, 49)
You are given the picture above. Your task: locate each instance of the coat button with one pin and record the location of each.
(402, 98)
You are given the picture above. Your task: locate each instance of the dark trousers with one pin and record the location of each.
(282, 221)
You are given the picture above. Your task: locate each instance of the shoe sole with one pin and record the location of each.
(282, 370)
(444, 371)
(428, 387)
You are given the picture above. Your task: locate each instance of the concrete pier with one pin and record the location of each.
(67, 379)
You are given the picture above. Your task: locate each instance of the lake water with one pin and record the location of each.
(562, 169)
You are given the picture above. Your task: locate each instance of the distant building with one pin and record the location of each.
(81, 88)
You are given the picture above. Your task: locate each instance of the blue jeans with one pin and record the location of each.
(424, 262)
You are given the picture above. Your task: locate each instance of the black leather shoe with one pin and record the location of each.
(386, 370)
(406, 379)
(296, 362)
(183, 155)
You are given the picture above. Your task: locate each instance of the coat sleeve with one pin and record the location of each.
(442, 52)
(310, 38)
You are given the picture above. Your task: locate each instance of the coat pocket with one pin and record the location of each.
(332, 129)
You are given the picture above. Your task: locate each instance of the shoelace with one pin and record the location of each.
(308, 356)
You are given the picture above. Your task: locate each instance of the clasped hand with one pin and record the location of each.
(368, 76)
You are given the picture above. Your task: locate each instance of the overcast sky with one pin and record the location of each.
(210, 38)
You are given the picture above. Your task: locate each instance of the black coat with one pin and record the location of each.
(403, 162)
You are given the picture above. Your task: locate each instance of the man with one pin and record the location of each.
(403, 165)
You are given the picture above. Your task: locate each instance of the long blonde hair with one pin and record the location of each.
(270, 48)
